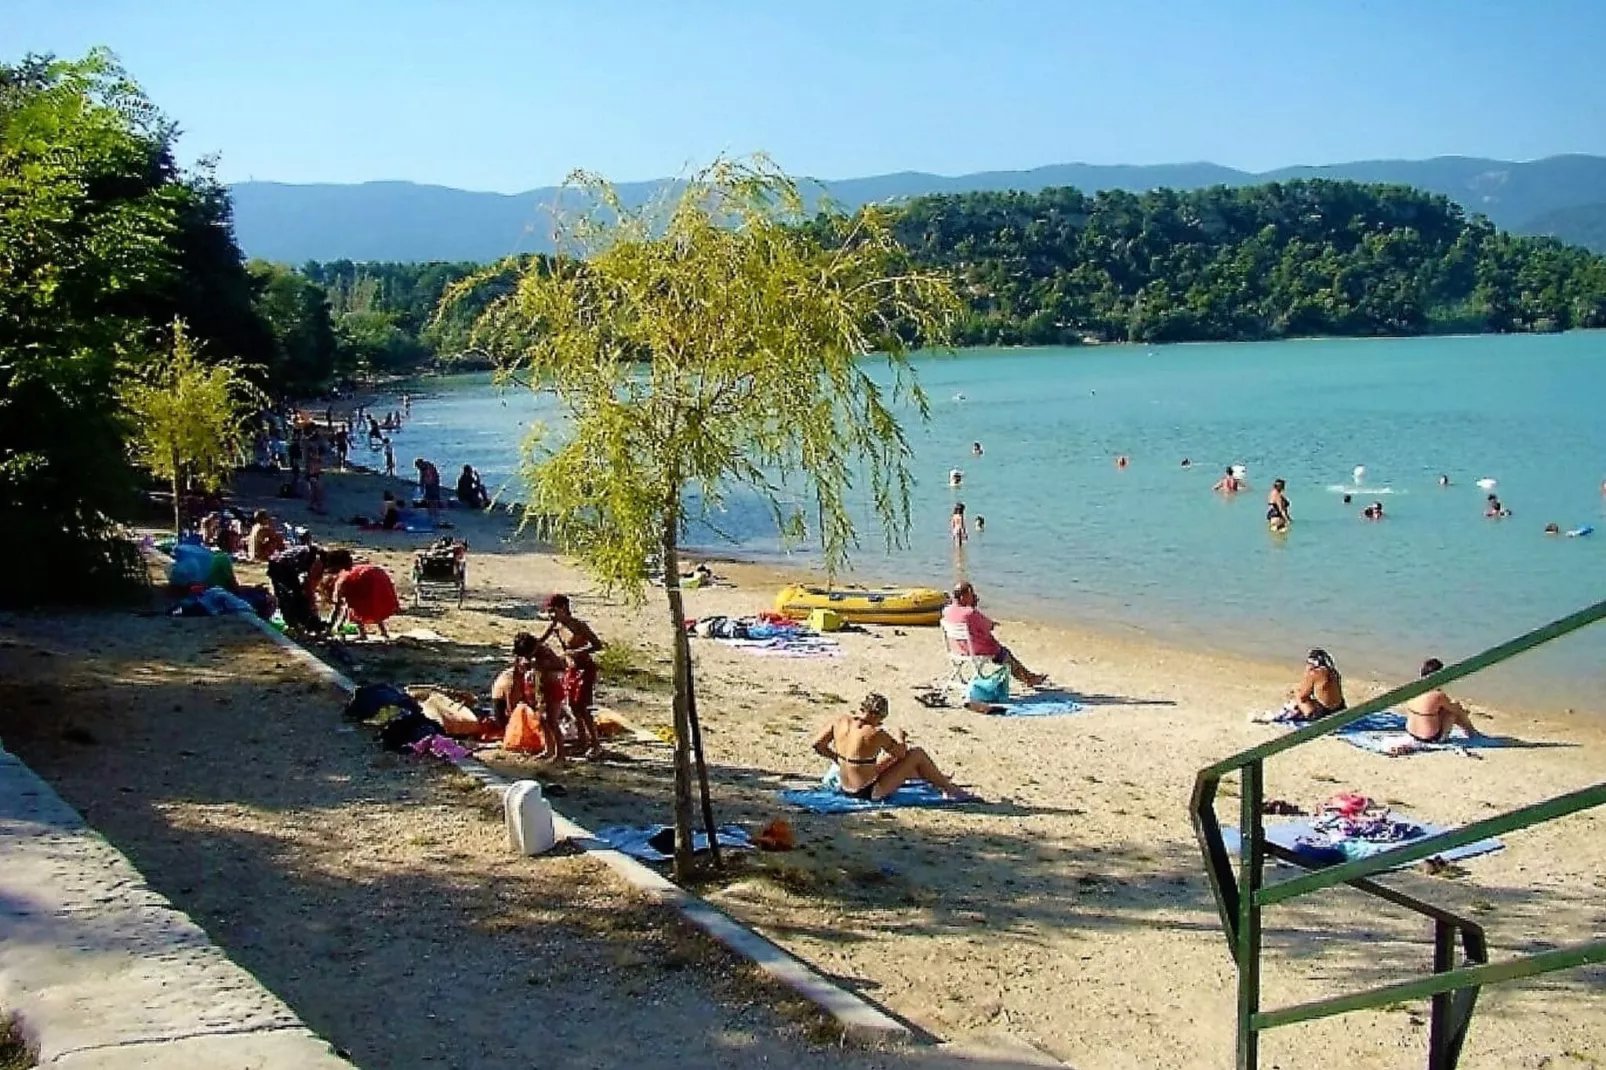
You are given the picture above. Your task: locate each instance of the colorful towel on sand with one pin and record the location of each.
(796, 646)
(1304, 837)
(1037, 704)
(1384, 733)
(656, 843)
(828, 798)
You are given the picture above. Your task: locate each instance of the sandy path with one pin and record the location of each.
(1071, 910)
(373, 893)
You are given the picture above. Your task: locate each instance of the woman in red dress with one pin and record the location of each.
(363, 594)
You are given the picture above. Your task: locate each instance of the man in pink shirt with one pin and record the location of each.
(982, 644)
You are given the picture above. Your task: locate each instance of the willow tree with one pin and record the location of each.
(715, 342)
(189, 420)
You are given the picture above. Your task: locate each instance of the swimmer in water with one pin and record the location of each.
(1552, 529)
(1186, 463)
(981, 523)
(1444, 480)
(955, 477)
(1373, 511)
(1496, 511)
(1347, 499)
(1228, 484)
(1121, 461)
(956, 525)
(975, 449)
(1277, 504)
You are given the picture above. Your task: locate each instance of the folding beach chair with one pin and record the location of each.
(441, 571)
(963, 666)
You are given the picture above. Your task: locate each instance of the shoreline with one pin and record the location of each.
(1109, 640)
(1070, 909)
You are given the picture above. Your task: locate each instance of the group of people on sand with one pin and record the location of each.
(543, 684)
(872, 762)
(306, 574)
(1429, 718)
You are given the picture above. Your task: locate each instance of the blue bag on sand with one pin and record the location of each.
(993, 688)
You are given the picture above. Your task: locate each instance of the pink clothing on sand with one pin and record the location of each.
(981, 643)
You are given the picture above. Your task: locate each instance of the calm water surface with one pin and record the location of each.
(1070, 536)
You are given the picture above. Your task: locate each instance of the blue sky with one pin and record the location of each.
(512, 94)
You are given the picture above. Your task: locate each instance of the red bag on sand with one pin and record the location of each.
(523, 732)
(1347, 804)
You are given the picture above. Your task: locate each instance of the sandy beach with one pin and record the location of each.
(1071, 908)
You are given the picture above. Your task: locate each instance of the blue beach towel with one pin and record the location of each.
(827, 797)
(1038, 704)
(1385, 734)
(1286, 834)
(635, 840)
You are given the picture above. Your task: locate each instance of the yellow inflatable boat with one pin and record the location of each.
(864, 605)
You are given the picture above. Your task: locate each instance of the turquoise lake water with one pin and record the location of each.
(1149, 548)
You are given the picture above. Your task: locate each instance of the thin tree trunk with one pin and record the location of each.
(178, 500)
(701, 761)
(682, 702)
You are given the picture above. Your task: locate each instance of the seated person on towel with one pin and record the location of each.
(962, 610)
(265, 539)
(1321, 692)
(871, 762)
(390, 512)
(1431, 717)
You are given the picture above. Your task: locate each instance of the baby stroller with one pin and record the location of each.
(440, 571)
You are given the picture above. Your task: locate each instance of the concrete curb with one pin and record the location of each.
(858, 1018)
(105, 974)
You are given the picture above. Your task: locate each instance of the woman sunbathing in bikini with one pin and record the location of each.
(1321, 692)
(857, 743)
(1431, 717)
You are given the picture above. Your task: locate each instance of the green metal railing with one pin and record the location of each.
(1241, 897)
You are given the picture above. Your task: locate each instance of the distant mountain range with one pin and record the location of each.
(1560, 195)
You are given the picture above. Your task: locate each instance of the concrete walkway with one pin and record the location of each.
(107, 975)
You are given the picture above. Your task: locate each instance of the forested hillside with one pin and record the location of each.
(1584, 224)
(1273, 261)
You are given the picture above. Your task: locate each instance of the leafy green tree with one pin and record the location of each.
(707, 345)
(306, 355)
(191, 421)
(86, 225)
(1279, 260)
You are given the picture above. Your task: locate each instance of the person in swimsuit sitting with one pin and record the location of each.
(512, 685)
(1321, 692)
(871, 762)
(1432, 716)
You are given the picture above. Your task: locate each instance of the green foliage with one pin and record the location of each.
(306, 355)
(384, 313)
(1279, 260)
(89, 211)
(710, 343)
(189, 419)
